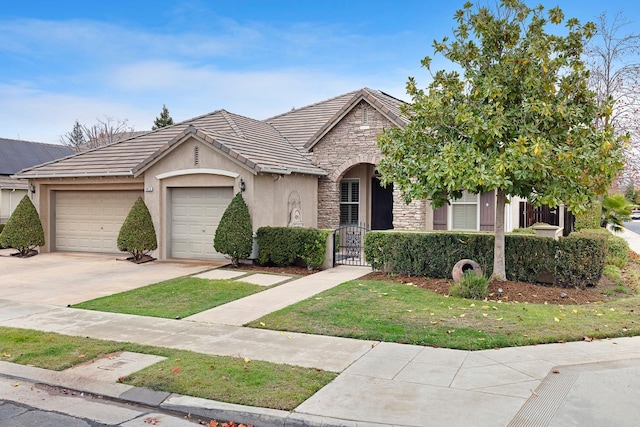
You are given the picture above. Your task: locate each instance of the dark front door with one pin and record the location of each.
(381, 205)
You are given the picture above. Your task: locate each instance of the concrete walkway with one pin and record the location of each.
(581, 383)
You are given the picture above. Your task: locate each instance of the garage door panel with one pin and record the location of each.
(195, 215)
(89, 221)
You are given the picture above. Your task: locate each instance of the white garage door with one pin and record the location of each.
(195, 215)
(89, 221)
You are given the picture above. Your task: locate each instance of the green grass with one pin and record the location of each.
(226, 379)
(390, 312)
(173, 298)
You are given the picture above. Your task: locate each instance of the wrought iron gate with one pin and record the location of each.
(348, 245)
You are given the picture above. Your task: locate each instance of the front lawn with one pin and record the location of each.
(175, 298)
(392, 312)
(226, 379)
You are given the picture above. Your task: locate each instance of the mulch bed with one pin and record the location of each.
(511, 291)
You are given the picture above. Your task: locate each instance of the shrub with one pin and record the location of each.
(1, 228)
(23, 231)
(615, 210)
(283, 246)
(613, 273)
(527, 230)
(234, 235)
(137, 234)
(576, 260)
(590, 219)
(617, 251)
(471, 286)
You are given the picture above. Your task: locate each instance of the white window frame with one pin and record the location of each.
(350, 181)
(460, 202)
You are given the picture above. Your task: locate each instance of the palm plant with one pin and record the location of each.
(615, 210)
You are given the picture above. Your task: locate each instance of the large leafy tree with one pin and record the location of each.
(514, 115)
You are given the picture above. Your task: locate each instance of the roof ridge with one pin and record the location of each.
(312, 105)
(227, 116)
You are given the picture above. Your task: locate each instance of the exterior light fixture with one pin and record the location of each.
(242, 185)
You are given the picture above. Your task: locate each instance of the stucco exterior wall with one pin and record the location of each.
(44, 196)
(9, 199)
(266, 195)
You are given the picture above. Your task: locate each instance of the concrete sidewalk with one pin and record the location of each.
(580, 383)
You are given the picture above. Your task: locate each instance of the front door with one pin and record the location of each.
(381, 205)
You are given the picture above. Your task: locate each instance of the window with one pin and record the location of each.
(349, 201)
(464, 212)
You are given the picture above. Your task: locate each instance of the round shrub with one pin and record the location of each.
(234, 235)
(137, 234)
(23, 231)
(471, 286)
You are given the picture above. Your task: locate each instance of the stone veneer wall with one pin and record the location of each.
(409, 217)
(349, 143)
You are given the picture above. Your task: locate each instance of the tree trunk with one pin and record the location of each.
(499, 271)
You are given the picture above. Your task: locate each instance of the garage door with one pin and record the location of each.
(195, 215)
(89, 221)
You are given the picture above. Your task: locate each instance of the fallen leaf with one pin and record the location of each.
(556, 319)
(262, 324)
(485, 314)
(500, 318)
(588, 339)
(6, 355)
(462, 315)
(151, 421)
(247, 360)
(211, 367)
(81, 356)
(556, 371)
(15, 385)
(176, 370)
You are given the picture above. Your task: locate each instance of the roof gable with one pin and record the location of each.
(387, 105)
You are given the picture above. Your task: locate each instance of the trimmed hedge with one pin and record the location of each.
(589, 219)
(577, 260)
(283, 246)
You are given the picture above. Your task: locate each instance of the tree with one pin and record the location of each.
(24, 230)
(137, 234)
(518, 118)
(613, 58)
(234, 235)
(615, 211)
(105, 131)
(163, 120)
(74, 138)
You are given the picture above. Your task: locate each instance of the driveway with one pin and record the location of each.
(61, 278)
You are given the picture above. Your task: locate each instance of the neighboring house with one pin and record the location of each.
(314, 167)
(16, 155)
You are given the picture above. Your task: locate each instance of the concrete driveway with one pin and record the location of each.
(61, 278)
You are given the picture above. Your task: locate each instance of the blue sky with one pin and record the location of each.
(67, 60)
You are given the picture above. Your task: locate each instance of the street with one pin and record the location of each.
(633, 226)
(28, 404)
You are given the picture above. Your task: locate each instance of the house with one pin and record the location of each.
(16, 155)
(314, 167)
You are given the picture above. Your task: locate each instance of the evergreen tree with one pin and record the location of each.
(137, 234)
(164, 119)
(234, 235)
(75, 138)
(24, 230)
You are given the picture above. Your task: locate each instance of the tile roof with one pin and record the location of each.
(16, 155)
(276, 145)
(11, 183)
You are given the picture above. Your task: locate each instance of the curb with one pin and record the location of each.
(171, 402)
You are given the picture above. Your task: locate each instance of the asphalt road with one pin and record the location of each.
(633, 226)
(16, 414)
